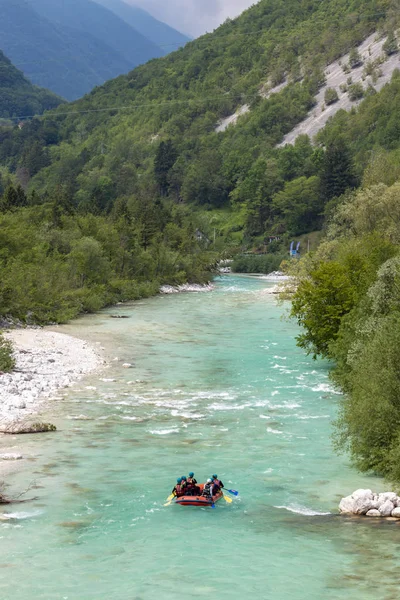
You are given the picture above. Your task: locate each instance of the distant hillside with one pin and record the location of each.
(18, 97)
(162, 130)
(91, 18)
(70, 46)
(159, 33)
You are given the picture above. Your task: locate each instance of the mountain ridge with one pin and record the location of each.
(18, 96)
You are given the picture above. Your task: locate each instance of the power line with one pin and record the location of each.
(131, 106)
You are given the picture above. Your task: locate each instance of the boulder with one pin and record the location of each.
(388, 496)
(347, 505)
(386, 508)
(374, 513)
(396, 512)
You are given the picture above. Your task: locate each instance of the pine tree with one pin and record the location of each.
(337, 171)
(164, 161)
(13, 198)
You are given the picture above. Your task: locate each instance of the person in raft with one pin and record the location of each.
(184, 485)
(208, 490)
(192, 487)
(177, 491)
(218, 485)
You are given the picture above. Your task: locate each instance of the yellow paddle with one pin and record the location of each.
(226, 498)
(169, 499)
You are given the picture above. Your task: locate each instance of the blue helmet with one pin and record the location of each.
(191, 474)
(215, 476)
(179, 480)
(183, 478)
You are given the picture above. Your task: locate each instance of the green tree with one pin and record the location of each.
(391, 45)
(164, 161)
(319, 304)
(331, 96)
(355, 58)
(338, 173)
(300, 205)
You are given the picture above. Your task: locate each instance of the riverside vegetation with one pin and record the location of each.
(116, 185)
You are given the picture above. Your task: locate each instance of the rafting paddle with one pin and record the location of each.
(234, 492)
(169, 499)
(227, 499)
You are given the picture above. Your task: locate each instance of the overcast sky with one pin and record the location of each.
(194, 17)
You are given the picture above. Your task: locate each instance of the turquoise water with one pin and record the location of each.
(217, 385)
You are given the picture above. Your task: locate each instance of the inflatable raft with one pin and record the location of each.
(198, 500)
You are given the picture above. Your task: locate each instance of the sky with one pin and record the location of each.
(194, 17)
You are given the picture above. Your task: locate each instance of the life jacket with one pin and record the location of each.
(218, 483)
(178, 489)
(207, 489)
(191, 480)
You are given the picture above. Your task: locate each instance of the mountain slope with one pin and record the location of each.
(91, 18)
(155, 128)
(161, 34)
(58, 58)
(18, 97)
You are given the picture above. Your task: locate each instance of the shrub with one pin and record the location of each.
(331, 96)
(7, 361)
(257, 263)
(356, 92)
(390, 46)
(355, 59)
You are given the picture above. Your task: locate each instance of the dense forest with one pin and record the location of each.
(18, 97)
(104, 146)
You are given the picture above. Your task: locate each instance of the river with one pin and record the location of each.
(217, 385)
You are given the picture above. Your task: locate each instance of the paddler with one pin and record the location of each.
(208, 491)
(217, 483)
(192, 488)
(184, 485)
(177, 491)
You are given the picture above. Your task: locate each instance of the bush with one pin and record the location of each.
(390, 46)
(257, 263)
(356, 92)
(7, 361)
(355, 59)
(331, 96)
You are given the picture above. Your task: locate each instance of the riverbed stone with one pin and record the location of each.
(396, 512)
(374, 512)
(386, 508)
(347, 505)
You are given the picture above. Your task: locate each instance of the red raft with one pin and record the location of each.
(198, 500)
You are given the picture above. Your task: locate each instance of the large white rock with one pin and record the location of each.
(386, 508)
(363, 494)
(387, 496)
(374, 512)
(396, 512)
(347, 505)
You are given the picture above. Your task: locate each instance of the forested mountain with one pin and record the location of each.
(147, 144)
(71, 46)
(18, 97)
(161, 34)
(168, 111)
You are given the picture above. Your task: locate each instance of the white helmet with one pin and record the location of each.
(209, 480)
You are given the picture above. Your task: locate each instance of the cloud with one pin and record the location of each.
(194, 16)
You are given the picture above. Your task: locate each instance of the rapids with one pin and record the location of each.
(217, 385)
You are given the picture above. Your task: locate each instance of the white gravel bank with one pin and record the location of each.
(46, 362)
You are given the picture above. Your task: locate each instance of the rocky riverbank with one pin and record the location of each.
(46, 362)
(371, 504)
